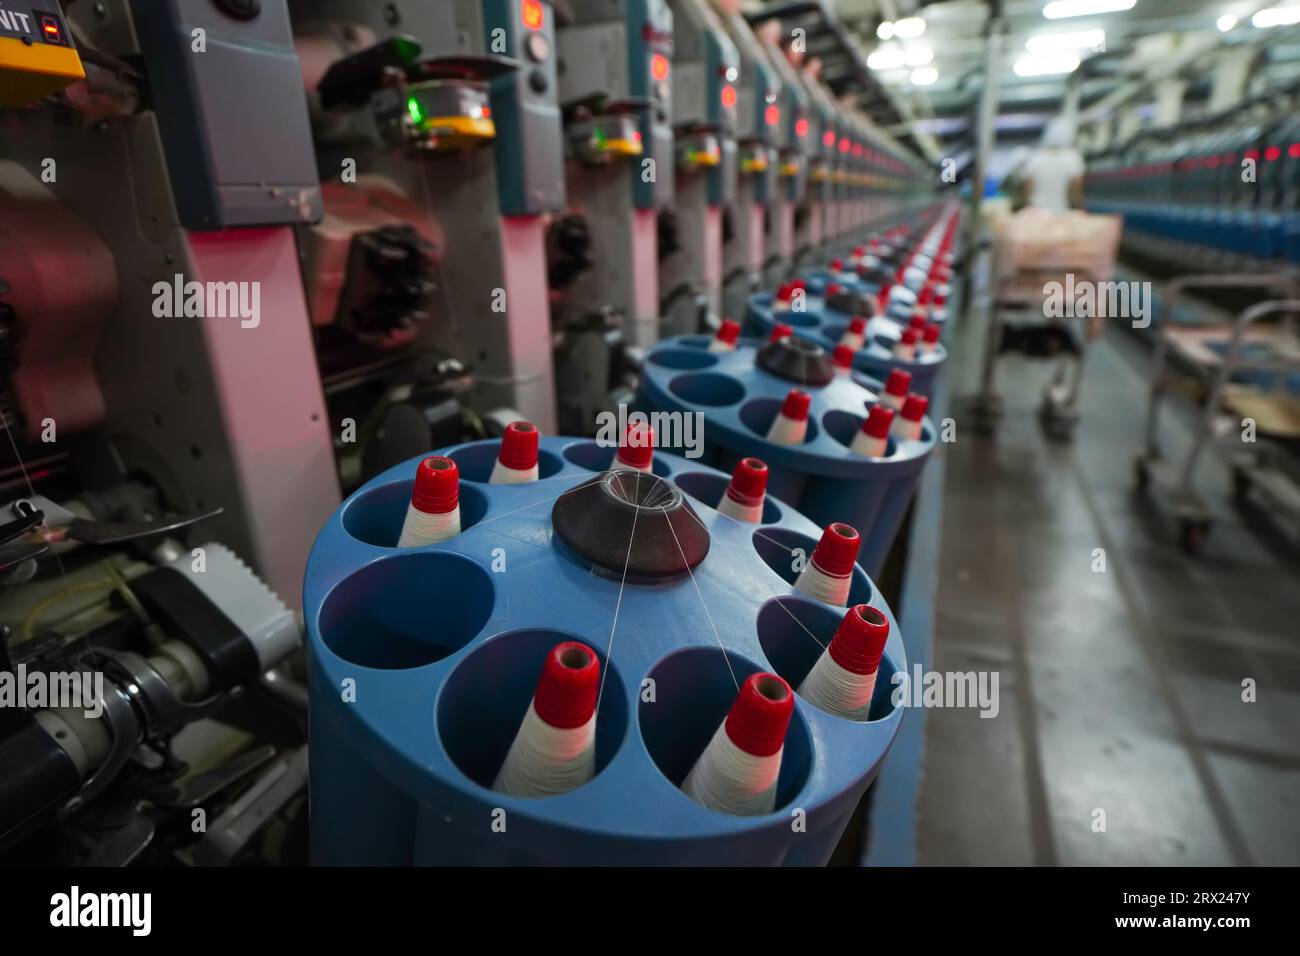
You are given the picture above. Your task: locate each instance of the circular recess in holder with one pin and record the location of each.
(423, 661)
(797, 360)
(600, 517)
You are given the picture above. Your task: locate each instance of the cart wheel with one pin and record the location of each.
(1141, 473)
(1192, 535)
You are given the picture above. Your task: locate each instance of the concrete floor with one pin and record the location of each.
(1120, 691)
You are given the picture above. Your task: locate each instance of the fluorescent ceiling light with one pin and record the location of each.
(909, 27)
(1046, 65)
(885, 31)
(925, 76)
(1060, 9)
(887, 58)
(1276, 17)
(918, 56)
(1226, 22)
(1073, 40)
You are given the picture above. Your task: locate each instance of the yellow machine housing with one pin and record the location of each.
(37, 56)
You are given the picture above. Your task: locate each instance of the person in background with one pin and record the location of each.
(1052, 177)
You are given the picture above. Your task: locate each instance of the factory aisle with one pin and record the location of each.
(1122, 690)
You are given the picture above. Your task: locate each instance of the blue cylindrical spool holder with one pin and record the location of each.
(821, 478)
(826, 326)
(439, 649)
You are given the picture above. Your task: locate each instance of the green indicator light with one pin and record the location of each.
(413, 109)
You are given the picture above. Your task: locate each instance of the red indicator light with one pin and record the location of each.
(857, 149)
(532, 12)
(659, 66)
(773, 115)
(728, 96)
(51, 29)
(1293, 150)
(1252, 155)
(487, 112)
(1272, 153)
(828, 138)
(801, 127)
(636, 136)
(844, 145)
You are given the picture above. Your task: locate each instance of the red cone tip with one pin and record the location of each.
(566, 691)
(859, 251)
(837, 550)
(858, 325)
(761, 714)
(914, 407)
(900, 380)
(796, 405)
(784, 292)
(833, 288)
(931, 334)
(437, 486)
(909, 336)
(748, 482)
(728, 331)
(843, 356)
(781, 331)
(878, 421)
(798, 284)
(638, 446)
(917, 321)
(519, 446)
(837, 265)
(859, 641)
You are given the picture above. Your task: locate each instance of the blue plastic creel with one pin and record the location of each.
(423, 662)
(738, 401)
(826, 327)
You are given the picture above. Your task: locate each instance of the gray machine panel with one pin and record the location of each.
(230, 90)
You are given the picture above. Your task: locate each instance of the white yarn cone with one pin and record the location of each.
(421, 528)
(816, 583)
(728, 780)
(741, 512)
(864, 444)
(837, 690)
(544, 761)
(788, 431)
(503, 475)
(906, 429)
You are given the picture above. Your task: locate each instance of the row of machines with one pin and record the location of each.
(1233, 188)
(256, 252)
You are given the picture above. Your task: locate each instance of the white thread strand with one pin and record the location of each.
(893, 401)
(728, 780)
(816, 583)
(505, 475)
(787, 431)
(544, 761)
(838, 691)
(422, 528)
(732, 508)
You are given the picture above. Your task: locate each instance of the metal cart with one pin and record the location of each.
(1023, 271)
(1259, 470)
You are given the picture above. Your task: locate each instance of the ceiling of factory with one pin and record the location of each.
(925, 88)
